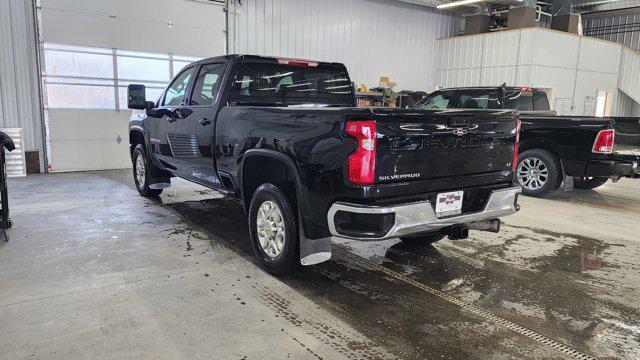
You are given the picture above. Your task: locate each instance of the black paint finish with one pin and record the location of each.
(450, 149)
(570, 138)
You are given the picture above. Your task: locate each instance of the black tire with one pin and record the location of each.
(553, 176)
(142, 184)
(288, 260)
(589, 183)
(423, 239)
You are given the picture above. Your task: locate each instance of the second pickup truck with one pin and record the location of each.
(283, 136)
(583, 150)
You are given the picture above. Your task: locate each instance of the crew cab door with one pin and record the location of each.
(197, 125)
(163, 125)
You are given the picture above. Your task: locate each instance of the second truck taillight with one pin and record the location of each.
(604, 142)
(362, 162)
(514, 164)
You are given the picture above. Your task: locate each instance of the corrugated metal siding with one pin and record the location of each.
(19, 100)
(630, 73)
(621, 26)
(372, 38)
(576, 68)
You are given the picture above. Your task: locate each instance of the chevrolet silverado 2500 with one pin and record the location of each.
(284, 137)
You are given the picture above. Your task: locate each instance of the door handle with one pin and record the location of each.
(204, 121)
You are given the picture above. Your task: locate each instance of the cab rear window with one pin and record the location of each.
(284, 85)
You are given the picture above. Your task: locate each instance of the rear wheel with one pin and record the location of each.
(588, 183)
(423, 239)
(141, 172)
(538, 172)
(274, 230)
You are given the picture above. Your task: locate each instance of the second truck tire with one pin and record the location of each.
(538, 172)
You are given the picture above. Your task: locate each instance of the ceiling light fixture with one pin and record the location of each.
(458, 3)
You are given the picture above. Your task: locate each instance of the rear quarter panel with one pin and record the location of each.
(569, 138)
(309, 137)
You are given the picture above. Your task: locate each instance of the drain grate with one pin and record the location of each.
(468, 306)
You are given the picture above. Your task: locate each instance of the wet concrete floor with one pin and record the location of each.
(95, 271)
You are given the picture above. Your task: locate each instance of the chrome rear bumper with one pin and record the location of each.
(418, 217)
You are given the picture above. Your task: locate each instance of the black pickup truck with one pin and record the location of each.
(580, 149)
(283, 136)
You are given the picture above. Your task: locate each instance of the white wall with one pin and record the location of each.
(19, 90)
(87, 139)
(372, 38)
(575, 67)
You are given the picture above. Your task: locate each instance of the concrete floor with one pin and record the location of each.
(94, 271)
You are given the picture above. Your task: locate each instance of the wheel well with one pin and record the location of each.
(135, 138)
(258, 170)
(529, 145)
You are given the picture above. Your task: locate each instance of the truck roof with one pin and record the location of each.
(487, 87)
(267, 59)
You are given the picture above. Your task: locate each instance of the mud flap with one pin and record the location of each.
(567, 184)
(159, 182)
(312, 251)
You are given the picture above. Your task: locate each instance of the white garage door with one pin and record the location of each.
(93, 49)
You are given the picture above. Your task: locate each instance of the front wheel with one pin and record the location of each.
(141, 172)
(274, 230)
(588, 183)
(538, 172)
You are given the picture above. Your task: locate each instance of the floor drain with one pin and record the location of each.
(469, 307)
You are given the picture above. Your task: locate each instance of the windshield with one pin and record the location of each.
(436, 100)
(284, 85)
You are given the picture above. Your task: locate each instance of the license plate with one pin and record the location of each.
(449, 203)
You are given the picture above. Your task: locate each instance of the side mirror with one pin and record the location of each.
(409, 107)
(136, 97)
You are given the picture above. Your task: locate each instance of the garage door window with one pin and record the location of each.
(81, 77)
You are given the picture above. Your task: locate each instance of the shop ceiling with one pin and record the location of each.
(577, 6)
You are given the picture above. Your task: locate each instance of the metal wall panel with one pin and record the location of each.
(598, 55)
(574, 67)
(621, 26)
(372, 38)
(630, 73)
(19, 100)
(554, 48)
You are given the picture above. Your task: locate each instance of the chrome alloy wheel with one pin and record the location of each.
(532, 173)
(270, 224)
(141, 173)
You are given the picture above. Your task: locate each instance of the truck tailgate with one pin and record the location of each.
(428, 145)
(627, 140)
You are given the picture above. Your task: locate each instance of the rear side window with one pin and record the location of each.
(519, 100)
(274, 84)
(478, 99)
(177, 89)
(206, 85)
(436, 100)
(540, 100)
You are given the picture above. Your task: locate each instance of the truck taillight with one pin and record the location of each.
(514, 164)
(362, 162)
(604, 142)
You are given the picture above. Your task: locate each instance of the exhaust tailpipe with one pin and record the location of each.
(492, 225)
